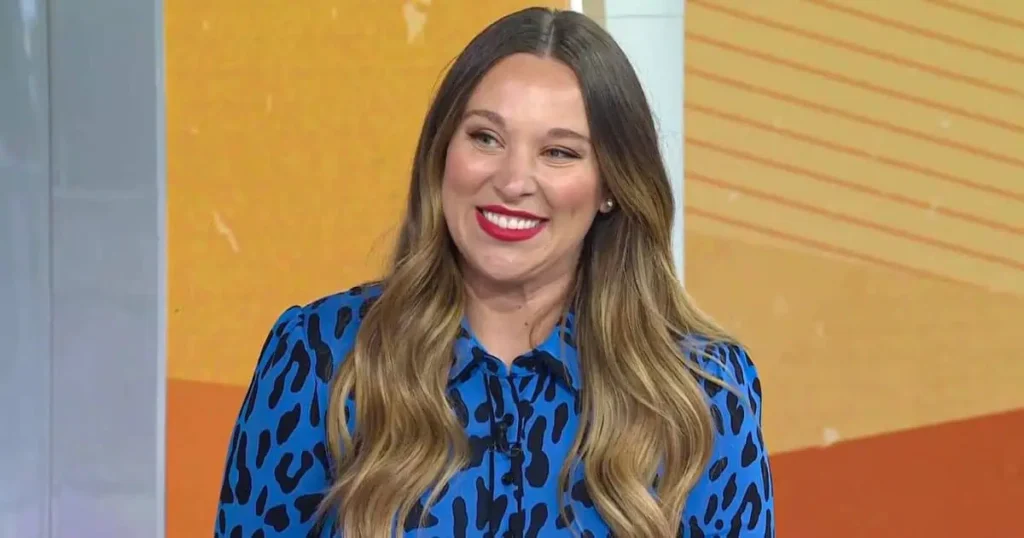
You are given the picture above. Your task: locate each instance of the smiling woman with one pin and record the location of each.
(521, 166)
(529, 364)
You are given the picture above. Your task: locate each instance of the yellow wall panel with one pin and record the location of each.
(987, 26)
(784, 137)
(944, 118)
(290, 131)
(855, 212)
(944, 260)
(866, 128)
(848, 348)
(855, 206)
(883, 48)
(937, 216)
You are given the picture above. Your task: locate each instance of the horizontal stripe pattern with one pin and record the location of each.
(859, 162)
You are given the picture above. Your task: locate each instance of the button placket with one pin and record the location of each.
(508, 443)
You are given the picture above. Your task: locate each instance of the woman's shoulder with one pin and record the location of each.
(736, 488)
(324, 328)
(728, 361)
(730, 379)
(339, 314)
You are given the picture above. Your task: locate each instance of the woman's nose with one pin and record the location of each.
(517, 176)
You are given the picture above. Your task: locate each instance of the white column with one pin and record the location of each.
(651, 33)
(108, 246)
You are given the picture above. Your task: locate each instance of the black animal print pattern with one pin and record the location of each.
(520, 420)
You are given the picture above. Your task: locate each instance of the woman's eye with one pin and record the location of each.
(485, 139)
(561, 154)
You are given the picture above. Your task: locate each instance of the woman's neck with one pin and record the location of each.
(510, 320)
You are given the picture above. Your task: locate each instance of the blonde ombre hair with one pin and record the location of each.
(632, 317)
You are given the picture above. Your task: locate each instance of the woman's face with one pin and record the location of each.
(521, 185)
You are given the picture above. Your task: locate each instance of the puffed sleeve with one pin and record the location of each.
(277, 469)
(734, 499)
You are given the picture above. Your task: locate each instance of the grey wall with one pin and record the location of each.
(81, 269)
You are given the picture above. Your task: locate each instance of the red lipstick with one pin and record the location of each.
(509, 225)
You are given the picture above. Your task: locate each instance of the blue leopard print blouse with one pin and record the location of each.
(521, 422)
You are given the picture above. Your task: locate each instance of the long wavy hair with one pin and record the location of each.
(632, 315)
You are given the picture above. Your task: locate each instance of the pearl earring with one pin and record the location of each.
(608, 205)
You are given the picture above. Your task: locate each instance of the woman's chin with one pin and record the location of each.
(504, 272)
(506, 276)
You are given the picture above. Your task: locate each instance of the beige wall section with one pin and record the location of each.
(290, 133)
(855, 206)
(595, 10)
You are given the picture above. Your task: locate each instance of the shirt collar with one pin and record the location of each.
(556, 354)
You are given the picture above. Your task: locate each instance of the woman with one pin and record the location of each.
(530, 364)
